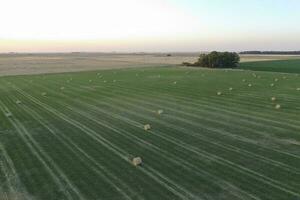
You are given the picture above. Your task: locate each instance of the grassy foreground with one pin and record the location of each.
(73, 135)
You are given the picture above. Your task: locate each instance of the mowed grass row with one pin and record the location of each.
(73, 135)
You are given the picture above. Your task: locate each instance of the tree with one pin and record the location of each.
(217, 60)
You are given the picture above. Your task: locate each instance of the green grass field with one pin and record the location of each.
(285, 66)
(73, 135)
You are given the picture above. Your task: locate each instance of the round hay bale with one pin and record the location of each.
(273, 99)
(137, 161)
(18, 102)
(160, 112)
(244, 80)
(219, 93)
(44, 94)
(272, 84)
(147, 127)
(230, 89)
(249, 85)
(175, 83)
(278, 106)
(276, 79)
(298, 89)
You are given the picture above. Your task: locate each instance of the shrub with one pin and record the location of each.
(187, 64)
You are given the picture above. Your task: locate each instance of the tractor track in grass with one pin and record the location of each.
(155, 149)
(216, 105)
(134, 195)
(161, 179)
(69, 144)
(123, 97)
(98, 168)
(156, 106)
(209, 156)
(15, 189)
(225, 115)
(139, 98)
(194, 168)
(57, 175)
(186, 90)
(228, 134)
(176, 142)
(200, 147)
(192, 133)
(216, 102)
(77, 149)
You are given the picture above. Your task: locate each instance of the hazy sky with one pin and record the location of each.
(149, 25)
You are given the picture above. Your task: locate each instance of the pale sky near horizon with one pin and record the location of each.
(148, 25)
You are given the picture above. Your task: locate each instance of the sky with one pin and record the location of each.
(148, 25)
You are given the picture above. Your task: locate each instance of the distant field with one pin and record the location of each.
(286, 66)
(17, 64)
(73, 135)
(256, 58)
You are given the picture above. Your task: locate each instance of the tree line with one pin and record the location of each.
(216, 60)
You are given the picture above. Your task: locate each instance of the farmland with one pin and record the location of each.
(221, 135)
(285, 66)
(22, 63)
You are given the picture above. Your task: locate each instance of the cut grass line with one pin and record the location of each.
(196, 149)
(38, 152)
(167, 156)
(213, 130)
(215, 104)
(168, 184)
(251, 173)
(214, 107)
(104, 173)
(233, 165)
(187, 92)
(212, 112)
(15, 187)
(234, 136)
